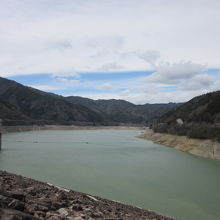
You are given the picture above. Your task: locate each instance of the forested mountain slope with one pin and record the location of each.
(122, 111)
(197, 118)
(31, 105)
(20, 104)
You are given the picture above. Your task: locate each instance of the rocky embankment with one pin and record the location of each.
(204, 148)
(27, 199)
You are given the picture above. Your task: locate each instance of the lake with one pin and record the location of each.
(114, 164)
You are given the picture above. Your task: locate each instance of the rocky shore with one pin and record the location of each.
(23, 198)
(200, 147)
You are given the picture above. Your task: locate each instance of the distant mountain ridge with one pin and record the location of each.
(122, 111)
(197, 118)
(33, 106)
(20, 104)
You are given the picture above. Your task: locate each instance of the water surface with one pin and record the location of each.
(116, 165)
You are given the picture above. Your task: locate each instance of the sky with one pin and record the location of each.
(143, 51)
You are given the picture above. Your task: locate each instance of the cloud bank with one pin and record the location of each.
(90, 35)
(177, 40)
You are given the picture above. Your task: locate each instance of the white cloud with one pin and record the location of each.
(148, 94)
(110, 67)
(168, 73)
(216, 86)
(165, 97)
(150, 56)
(177, 82)
(45, 87)
(66, 73)
(66, 80)
(106, 86)
(198, 82)
(125, 93)
(67, 38)
(59, 45)
(143, 98)
(50, 36)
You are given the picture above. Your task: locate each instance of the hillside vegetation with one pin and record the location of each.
(121, 111)
(197, 118)
(25, 105)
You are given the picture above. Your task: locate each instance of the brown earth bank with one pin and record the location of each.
(23, 198)
(200, 147)
(20, 128)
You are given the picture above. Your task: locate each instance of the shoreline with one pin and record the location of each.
(204, 148)
(22, 128)
(25, 198)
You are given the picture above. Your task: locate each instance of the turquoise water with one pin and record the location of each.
(116, 165)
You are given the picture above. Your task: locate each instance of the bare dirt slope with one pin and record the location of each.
(200, 147)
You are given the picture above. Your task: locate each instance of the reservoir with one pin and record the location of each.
(116, 165)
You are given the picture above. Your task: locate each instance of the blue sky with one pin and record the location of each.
(129, 85)
(83, 83)
(141, 51)
(49, 78)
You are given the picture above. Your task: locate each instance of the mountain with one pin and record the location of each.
(197, 118)
(20, 104)
(25, 105)
(122, 111)
(9, 112)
